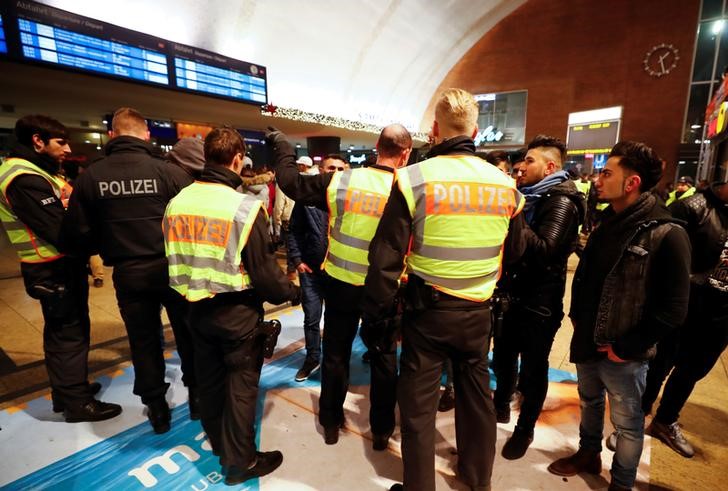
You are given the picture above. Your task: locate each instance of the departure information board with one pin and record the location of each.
(42, 34)
(64, 47)
(3, 43)
(203, 77)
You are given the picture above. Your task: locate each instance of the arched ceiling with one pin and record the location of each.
(377, 61)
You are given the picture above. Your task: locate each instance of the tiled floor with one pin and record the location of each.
(23, 379)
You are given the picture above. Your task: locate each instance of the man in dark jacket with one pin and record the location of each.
(695, 349)
(32, 206)
(630, 289)
(118, 207)
(554, 209)
(307, 243)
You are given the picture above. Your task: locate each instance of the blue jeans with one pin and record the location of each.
(625, 384)
(312, 297)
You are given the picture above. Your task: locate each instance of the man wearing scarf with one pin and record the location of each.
(554, 210)
(629, 291)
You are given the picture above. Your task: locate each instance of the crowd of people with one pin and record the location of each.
(443, 256)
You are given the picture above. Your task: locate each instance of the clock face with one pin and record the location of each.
(661, 60)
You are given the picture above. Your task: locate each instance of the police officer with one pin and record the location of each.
(118, 207)
(221, 259)
(356, 198)
(32, 206)
(446, 219)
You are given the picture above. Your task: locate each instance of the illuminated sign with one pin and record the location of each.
(596, 137)
(51, 36)
(503, 117)
(3, 43)
(488, 135)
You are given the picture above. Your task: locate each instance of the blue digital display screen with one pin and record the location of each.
(3, 43)
(201, 77)
(39, 33)
(53, 45)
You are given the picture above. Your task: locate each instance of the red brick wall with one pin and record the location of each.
(575, 55)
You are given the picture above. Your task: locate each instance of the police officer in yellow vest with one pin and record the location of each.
(447, 220)
(221, 260)
(355, 198)
(32, 206)
(683, 189)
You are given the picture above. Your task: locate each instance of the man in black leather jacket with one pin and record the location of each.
(630, 289)
(694, 350)
(554, 210)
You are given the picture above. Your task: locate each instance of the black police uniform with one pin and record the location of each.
(117, 208)
(342, 315)
(228, 354)
(436, 326)
(60, 285)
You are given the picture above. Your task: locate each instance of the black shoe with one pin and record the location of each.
(503, 415)
(672, 436)
(447, 400)
(159, 415)
(194, 403)
(309, 368)
(517, 444)
(93, 389)
(396, 487)
(381, 442)
(266, 463)
(94, 410)
(611, 441)
(331, 435)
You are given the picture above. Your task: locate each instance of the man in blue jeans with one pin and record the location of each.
(630, 289)
(307, 243)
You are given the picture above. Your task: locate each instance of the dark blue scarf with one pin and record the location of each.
(534, 193)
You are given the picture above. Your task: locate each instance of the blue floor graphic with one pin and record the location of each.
(134, 458)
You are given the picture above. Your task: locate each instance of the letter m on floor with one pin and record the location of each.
(143, 473)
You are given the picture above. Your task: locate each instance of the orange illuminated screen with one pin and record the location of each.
(192, 130)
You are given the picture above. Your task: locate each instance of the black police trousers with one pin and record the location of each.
(702, 340)
(142, 288)
(341, 322)
(62, 288)
(228, 360)
(429, 337)
(528, 332)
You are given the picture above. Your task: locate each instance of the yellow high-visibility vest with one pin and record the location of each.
(461, 208)
(29, 247)
(356, 200)
(672, 197)
(206, 227)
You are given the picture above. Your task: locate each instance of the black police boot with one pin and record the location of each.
(381, 442)
(58, 406)
(194, 403)
(266, 462)
(517, 444)
(159, 415)
(92, 410)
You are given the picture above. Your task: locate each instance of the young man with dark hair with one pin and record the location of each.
(32, 207)
(356, 198)
(333, 162)
(554, 210)
(630, 289)
(221, 260)
(118, 206)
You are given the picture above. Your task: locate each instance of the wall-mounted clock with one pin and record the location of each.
(661, 59)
